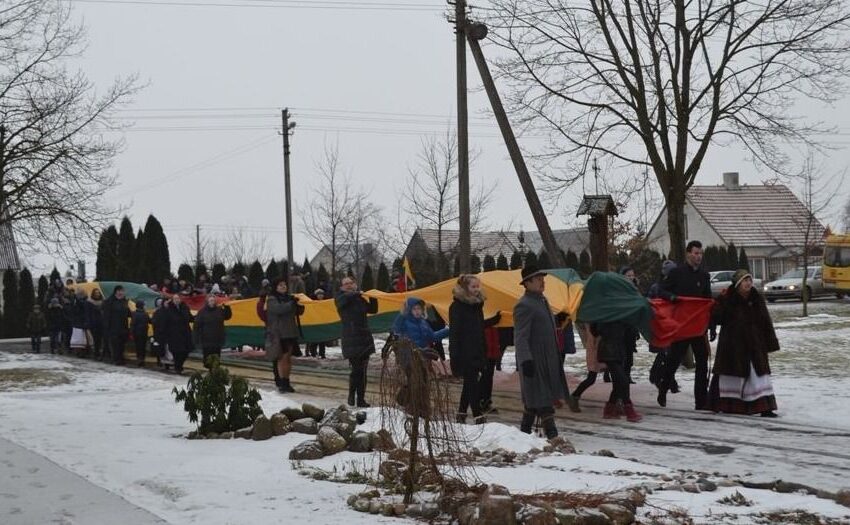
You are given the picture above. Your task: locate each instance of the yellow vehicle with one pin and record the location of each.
(836, 264)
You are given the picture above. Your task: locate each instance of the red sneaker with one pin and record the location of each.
(611, 411)
(631, 414)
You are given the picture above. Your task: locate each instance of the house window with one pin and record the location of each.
(775, 268)
(757, 267)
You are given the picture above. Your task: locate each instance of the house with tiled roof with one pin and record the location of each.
(430, 241)
(767, 220)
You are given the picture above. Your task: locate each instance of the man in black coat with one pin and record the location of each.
(209, 327)
(116, 312)
(689, 279)
(357, 341)
(178, 333)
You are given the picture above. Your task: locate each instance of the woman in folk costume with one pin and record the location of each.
(741, 375)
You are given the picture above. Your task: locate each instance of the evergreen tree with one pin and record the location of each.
(26, 293)
(272, 271)
(502, 262)
(284, 269)
(54, 276)
(543, 261)
(202, 270)
(43, 288)
(489, 263)
(107, 256)
(474, 264)
(383, 282)
(743, 260)
(367, 282)
(126, 251)
(138, 250)
(397, 265)
(572, 260)
(186, 273)
(218, 271)
(708, 258)
(322, 275)
(256, 276)
(12, 318)
(531, 259)
(238, 269)
(732, 254)
(311, 282)
(154, 259)
(584, 266)
(516, 260)
(456, 268)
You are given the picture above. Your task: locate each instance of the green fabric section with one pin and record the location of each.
(134, 291)
(568, 275)
(608, 296)
(255, 335)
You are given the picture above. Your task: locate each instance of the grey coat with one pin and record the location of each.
(534, 340)
(281, 323)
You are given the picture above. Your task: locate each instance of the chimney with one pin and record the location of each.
(730, 180)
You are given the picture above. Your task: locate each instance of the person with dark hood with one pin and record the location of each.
(283, 329)
(139, 323)
(616, 339)
(357, 341)
(542, 381)
(467, 344)
(209, 327)
(116, 313)
(159, 341)
(36, 326)
(689, 279)
(741, 377)
(80, 341)
(178, 332)
(95, 315)
(55, 323)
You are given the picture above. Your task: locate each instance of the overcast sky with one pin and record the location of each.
(204, 147)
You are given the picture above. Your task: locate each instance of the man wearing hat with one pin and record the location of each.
(542, 379)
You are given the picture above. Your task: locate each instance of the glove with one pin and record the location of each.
(560, 317)
(496, 318)
(528, 368)
(712, 334)
(674, 298)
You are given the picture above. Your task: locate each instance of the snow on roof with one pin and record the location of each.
(762, 215)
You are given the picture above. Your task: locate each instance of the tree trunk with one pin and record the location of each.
(676, 223)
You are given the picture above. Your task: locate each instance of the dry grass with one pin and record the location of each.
(12, 379)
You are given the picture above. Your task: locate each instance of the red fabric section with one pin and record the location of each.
(491, 337)
(686, 318)
(196, 302)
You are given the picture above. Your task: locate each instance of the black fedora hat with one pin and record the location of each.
(531, 271)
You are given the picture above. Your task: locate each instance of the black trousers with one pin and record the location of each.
(357, 377)
(55, 339)
(97, 339)
(485, 387)
(674, 359)
(35, 342)
(619, 382)
(316, 349)
(471, 393)
(587, 383)
(141, 344)
(180, 355)
(547, 419)
(117, 343)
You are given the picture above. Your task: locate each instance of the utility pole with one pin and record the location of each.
(464, 240)
(197, 248)
(286, 127)
(476, 32)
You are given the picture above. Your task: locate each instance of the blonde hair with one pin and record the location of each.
(465, 279)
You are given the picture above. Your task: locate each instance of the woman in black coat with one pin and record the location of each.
(467, 345)
(357, 341)
(616, 340)
(177, 330)
(741, 376)
(209, 327)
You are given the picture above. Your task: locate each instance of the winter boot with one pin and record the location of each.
(606, 377)
(527, 422)
(287, 385)
(662, 397)
(572, 402)
(674, 387)
(769, 413)
(460, 418)
(479, 420)
(351, 389)
(363, 404)
(611, 411)
(549, 427)
(631, 414)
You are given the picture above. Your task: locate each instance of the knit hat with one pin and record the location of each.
(140, 305)
(739, 276)
(319, 291)
(667, 267)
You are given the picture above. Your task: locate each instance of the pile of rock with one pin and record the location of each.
(507, 458)
(262, 429)
(335, 431)
(372, 502)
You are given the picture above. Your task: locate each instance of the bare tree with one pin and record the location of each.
(845, 219)
(362, 231)
(228, 246)
(431, 195)
(55, 150)
(657, 84)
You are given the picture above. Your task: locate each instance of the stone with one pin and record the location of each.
(605, 453)
(307, 450)
(293, 413)
(330, 441)
(387, 509)
(430, 511)
(706, 485)
(360, 442)
(562, 445)
(340, 420)
(280, 424)
(192, 435)
(468, 514)
(383, 441)
(226, 435)
(374, 506)
(262, 429)
(581, 516)
(212, 435)
(305, 425)
(391, 470)
(352, 500)
(842, 497)
(370, 494)
(360, 417)
(361, 505)
(618, 514)
(690, 487)
(665, 477)
(311, 410)
(529, 515)
(727, 483)
(244, 433)
(497, 506)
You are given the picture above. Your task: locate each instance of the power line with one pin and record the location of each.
(281, 4)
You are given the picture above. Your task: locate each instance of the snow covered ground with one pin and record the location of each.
(119, 429)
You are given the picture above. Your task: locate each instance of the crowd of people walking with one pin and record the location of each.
(101, 328)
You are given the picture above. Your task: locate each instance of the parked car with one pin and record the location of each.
(723, 279)
(790, 285)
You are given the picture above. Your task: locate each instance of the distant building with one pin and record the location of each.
(768, 221)
(348, 255)
(430, 242)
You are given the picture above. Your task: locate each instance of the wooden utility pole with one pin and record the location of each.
(286, 126)
(474, 33)
(197, 248)
(464, 240)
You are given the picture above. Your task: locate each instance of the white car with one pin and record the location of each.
(790, 285)
(723, 279)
